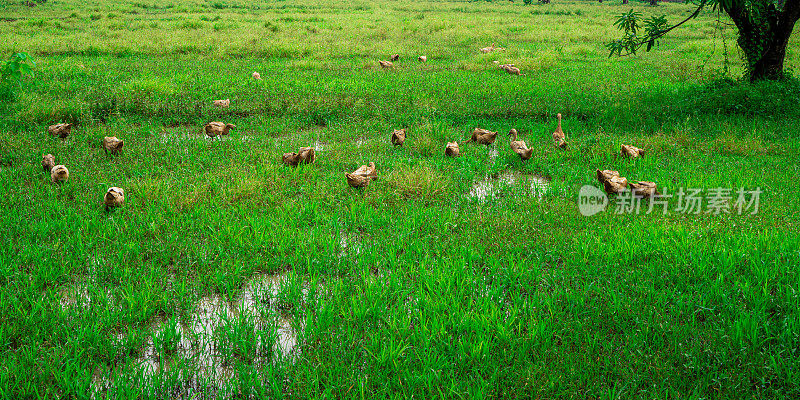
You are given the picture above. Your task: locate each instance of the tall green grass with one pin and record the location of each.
(410, 287)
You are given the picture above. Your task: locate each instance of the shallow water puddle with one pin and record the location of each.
(349, 244)
(492, 185)
(493, 153)
(177, 135)
(220, 334)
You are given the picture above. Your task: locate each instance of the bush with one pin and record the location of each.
(728, 96)
(12, 74)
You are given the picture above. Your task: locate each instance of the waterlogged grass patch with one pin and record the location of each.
(508, 183)
(253, 329)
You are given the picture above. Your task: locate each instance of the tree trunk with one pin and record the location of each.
(764, 35)
(770, 64)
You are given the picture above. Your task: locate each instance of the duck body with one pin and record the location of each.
(357, 181)
(112, 144)
(630, 151)
(367, 171)
(452, 149)
(216, 128)
(612, 182)
(385, 64)
(399, 137)
(306, 155)
(511, 69)
(644, 189)
(222, 103)
(114, 197)
(291, 159)
(60, 130)
(48, 162)
(519, 146)
(59, 173)
(559, 138)
(483, 136)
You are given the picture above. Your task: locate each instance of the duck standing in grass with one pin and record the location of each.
(59, 174)
(60, 130)
(114, 197)
(482, 136)
(631, 151)
(559, 138)
(48, 162)
(357, 181)
(216, 128)
(399, 137)
(519, 146)
(452, 149)
(612, 182)
(112, 144)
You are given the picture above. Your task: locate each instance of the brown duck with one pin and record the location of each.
(511, 69)
(398, 137)
(491, 49)
(483, 136)
(395, 57)
(452, 149)
(631, 151)
(114, 197)
(60, 130)
(59, 173)
(644, 189)
(612, 182)
(357, 181)
(558, 135)
(519, 146)
(367, 171)
(291, 159)
(112, 144)
(385, 64)
(216, 128)
(306, 155)
(48, 162)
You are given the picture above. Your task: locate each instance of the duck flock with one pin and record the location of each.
(612, 182)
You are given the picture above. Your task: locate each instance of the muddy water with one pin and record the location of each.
(349, 244)
(206, 346)
(178, 135)
(491, 186)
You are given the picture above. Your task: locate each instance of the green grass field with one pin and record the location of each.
(229, 275)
